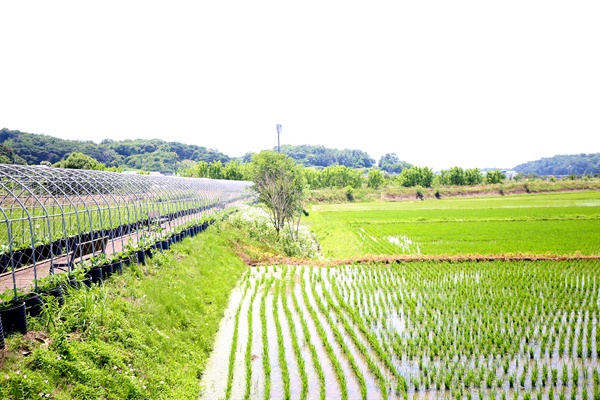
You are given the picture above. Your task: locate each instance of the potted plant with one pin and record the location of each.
(12, 314)
(52, 285)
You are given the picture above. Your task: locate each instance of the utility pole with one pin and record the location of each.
(278, 132)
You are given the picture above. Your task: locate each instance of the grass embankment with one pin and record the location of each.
(144, 335)
(396, 193)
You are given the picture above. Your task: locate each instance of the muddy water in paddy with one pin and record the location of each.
(295, 382)
(239, 370)
(214, 380)
(332, 390)
(257, 381)
(351, 382)
(372, 387)
(276, 380)
(313, 379)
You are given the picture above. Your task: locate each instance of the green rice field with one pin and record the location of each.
(425, 330)
(558, 223)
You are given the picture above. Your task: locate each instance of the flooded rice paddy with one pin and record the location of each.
(431, 330)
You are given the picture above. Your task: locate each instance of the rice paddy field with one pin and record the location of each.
(434, 330)
(558, 223)
(423, 329)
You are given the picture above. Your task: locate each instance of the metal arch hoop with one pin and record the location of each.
(120, 206)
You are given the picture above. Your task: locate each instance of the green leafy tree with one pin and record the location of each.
(215, 170)
(279, 184)
(454, 176)
(8, 156)
(416, 176)
(391, 163)
(473, 177)
(234, 171)
(494, 176)
(80, 161)
(375, 179)
(339, 176)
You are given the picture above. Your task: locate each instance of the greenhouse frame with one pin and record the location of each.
(53, 220)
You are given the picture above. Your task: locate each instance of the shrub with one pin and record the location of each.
(349, 193)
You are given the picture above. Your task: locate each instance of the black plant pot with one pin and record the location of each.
(165, 245)
(33, 304)
(117, 267)
(95, 275)
(17, 257)
(4, 263)
(71, 242)
(57, 247)
(14, 318)
(148, 253)
(87, 281)
(107, 271)
(26, 256)
(1, 336)
(74, 283)
(57, 292)
(42, 252)
(141, 257)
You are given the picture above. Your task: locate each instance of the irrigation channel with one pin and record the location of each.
(53, 220)
(430, 330)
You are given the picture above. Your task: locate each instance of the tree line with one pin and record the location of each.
(340, 176)
(562, 165)
(139, 154)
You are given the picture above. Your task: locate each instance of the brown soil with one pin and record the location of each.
(388, 259)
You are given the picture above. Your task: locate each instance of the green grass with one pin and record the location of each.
(144, 335)
(558, 223)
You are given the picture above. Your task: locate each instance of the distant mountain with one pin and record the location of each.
(149, 155)
(321, 156)
(577, 164)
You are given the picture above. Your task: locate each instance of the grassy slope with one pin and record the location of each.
(146, 334)
(558, 223)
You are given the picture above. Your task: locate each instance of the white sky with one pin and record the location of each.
(441, 83)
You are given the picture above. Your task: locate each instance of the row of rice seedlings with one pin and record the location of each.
(371, 363)
(234, 340)
(285, 373)
(373, 341)
(339, 373)
(265, 340)
(340, 340)
(313, 351)
(295, 341)
(248, 355)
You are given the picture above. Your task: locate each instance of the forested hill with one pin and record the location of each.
(321, 156)
(149, 155)
(577, 164)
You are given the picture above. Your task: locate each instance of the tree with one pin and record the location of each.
(416, 176)
(391, 163)
(80, 161)
(494, 176)
(375, 178)
(279, 184)
(473, 176)
(8, 156)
